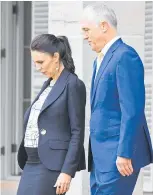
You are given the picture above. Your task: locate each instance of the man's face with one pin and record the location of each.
(93, 34)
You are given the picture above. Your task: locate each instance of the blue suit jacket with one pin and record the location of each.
(118, 125)
(62, 117)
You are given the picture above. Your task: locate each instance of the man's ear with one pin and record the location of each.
(104, 26)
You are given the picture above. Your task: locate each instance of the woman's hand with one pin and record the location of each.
(63, 183)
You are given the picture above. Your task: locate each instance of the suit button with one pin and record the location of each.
(43, 132)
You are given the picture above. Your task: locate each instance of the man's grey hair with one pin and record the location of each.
(99, 12)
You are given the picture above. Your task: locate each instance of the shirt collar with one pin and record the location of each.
(109, 44)
(52, 83)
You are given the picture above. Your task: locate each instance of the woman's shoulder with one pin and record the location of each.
(75, 81)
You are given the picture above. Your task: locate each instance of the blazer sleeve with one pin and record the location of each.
(76, 111)
(131, 91)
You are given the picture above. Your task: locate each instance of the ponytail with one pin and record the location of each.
(67, 59)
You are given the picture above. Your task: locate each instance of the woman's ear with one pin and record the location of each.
(56, 57)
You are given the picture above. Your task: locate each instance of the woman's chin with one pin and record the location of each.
(45, 74)
(48, 76)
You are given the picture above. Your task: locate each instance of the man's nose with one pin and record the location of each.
(85, 37)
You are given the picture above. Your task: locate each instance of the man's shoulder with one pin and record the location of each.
(127, 49)
(128, 55)
(125, 53)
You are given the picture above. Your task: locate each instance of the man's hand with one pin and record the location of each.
(124, 166)
(63, 183)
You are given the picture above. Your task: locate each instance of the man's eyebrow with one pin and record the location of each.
(85, 28)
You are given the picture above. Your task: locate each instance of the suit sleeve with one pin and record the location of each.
(131, 90)
(76, 111)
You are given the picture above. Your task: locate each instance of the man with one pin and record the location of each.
(120, 143)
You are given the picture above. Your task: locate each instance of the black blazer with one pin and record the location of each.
(61, 125)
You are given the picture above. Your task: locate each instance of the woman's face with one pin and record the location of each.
(45, 63)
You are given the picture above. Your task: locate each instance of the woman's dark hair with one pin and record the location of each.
(49, 43)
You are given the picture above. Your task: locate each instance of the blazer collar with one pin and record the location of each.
(53, 95)
(104, 64)
(56, 90)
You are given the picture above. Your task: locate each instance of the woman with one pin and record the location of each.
(52, 148)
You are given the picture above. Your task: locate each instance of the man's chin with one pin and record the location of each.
(93, 48)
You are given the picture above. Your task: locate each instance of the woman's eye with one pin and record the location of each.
(40, 62)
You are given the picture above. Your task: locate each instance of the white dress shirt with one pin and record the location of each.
(104, 51)
(32, 132)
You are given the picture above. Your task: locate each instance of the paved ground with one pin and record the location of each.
(10, 187)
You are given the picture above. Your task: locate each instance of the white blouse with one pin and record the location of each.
(32, 132)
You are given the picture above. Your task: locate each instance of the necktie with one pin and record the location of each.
(100, 56)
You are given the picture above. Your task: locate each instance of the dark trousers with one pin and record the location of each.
(112, 183)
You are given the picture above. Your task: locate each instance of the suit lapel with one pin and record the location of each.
(103, 65)
(100, 72)
(93, 78)
(46, 83)
(53, 95)
(56, 90)
(27, 113)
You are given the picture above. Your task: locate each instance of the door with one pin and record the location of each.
(11, 85)
(2, 66)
